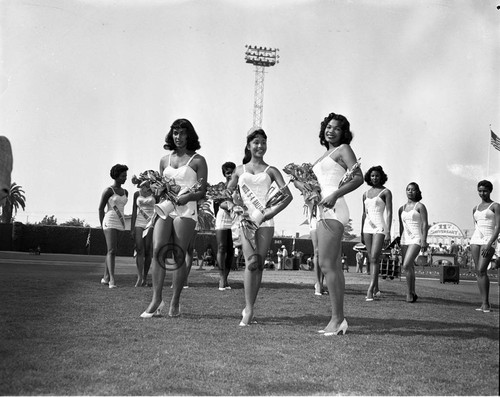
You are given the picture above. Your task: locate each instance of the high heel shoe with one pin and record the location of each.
(342, 329)
(112, 285)
(176, 314)
(251, 320)
(103, 281)
(156, 313)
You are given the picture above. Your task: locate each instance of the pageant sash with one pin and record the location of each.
(120, 216)
(255, 207)
(143, 213)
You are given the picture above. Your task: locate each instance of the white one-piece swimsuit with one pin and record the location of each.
(412, 227)
(114, 216)
(485, 226)
(329, 174)
(374, 211)
(259, 184)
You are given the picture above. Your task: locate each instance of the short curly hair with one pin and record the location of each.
(418, 196)
(117, 169)
(487, 184)
(380, 170)
(193, 142)
(344, 125)
(228, 165)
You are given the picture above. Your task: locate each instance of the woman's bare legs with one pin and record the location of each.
(139, 257)
(148, 255)
(483, 281)
(329, 249)
(318, 285)
(374, 244)
(254, 266)
(224, 255)
(410, 253)
(189, 257)
(111, 236)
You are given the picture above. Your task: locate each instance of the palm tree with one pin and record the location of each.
(206, 217)
(15, 199)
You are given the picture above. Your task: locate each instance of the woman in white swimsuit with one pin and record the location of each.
(223, 224)
(172, 235)
(113, 220)
(253, 179)
(142, 213)
(333, 214)
(413, 225)
(487, 222)
(375, 228)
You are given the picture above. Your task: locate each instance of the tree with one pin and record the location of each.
(48, 221)
(348, 235)
(14, 200)
(206, 217)
(76, 222)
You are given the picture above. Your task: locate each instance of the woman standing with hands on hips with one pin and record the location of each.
(113, 220)
(413, 226)
(333, 214)
(173, 231)
(487, 222)
(253, 179)
(375, 229)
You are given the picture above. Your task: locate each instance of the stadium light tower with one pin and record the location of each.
(261, 57)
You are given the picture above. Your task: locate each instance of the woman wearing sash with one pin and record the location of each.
(223, 224)
(142, 212)
(413, 225)
(113, 220)
(333, 214)
(375, 228)
(173, 232)
(253, 179)
(487, 228)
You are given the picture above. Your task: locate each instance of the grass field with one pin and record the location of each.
(63, 333)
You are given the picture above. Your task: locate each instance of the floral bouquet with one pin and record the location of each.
(311, 189)
(170, 192)
(218, 193)
(349, 175)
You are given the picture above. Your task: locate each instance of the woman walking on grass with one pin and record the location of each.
(375, 228)
(413, 225)
(173, 232)
(223, 224)
(142, 213)
(113, 220)
(487, 228)
(253, 179)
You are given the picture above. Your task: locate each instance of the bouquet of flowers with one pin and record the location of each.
(349, 175)
(311, 189)
(166, 189)
(218, 192)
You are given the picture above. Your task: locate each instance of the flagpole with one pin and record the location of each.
(489, 144)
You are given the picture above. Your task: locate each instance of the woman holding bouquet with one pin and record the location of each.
(413, 225)
(113, 220)
(253, 179)
(333, 214)
(375, 229)
(173, 232)
(142, 212)
(223, 224)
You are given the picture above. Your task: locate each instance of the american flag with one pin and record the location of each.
(495, 141)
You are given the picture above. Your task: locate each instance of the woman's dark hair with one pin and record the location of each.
(344, 126)
(250, 137)
(487, 184)
(418, 197)
(193, 142)
(228, 166)
(380, 170)
(117, 169)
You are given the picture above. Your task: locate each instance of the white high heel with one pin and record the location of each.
(156, 313)
(342, 329)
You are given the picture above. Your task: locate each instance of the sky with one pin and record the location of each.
(88, 84)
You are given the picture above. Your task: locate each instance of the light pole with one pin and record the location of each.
(261, 57)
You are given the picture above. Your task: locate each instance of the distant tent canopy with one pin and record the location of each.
(444, 233)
